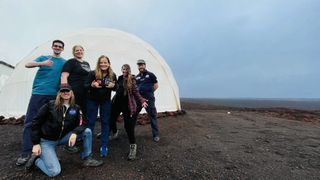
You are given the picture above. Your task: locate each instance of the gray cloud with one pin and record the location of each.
(229, 48)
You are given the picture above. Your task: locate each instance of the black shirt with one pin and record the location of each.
(78, 72)
(145, 82)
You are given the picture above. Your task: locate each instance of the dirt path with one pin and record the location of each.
(206, 143)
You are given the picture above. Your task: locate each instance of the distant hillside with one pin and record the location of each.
(303, 104)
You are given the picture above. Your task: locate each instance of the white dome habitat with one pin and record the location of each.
(120, 47)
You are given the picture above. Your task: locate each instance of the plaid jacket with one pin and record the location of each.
(133, 97)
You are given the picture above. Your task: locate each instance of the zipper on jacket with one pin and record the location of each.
(63, 118)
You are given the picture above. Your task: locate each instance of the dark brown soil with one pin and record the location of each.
(208, 142)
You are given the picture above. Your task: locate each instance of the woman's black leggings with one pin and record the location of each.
(129, 125)
(129, 122)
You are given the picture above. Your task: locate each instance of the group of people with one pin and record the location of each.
(67, 98)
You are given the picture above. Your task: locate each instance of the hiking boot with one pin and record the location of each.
(156, 139)
(89, 161)
(133, 152)
(22, 160)
(71, 149)
(31, 162)
(103, 151)
(114, 136)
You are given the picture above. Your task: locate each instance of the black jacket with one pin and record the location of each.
(50, 124)
(100, 94)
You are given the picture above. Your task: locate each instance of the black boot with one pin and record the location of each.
(30, 163)
(91, 162)
(71, 149)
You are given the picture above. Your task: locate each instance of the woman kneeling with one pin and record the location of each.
(59, 122)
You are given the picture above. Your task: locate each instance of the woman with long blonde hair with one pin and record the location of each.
(100, 83)
(60, 100)
(127, 97)
(59, 122)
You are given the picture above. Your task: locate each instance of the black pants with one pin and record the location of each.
(81, 100)
(115, 112)
(129, 125)
(118, 106)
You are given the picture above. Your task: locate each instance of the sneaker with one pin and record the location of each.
(89, 161)
(103, 151)
(156, 139)
(71, 149)
(31, 162)
(114, 136)
(133, 152)
(22, 160)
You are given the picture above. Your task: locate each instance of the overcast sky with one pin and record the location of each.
(215, 48)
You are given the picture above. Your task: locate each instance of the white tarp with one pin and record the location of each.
(5, 72)
(120, 47)
(3, 79)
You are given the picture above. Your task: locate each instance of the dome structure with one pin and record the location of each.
(5, 72)
(120, 47)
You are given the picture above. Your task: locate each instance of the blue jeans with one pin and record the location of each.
(92, 113)
(152, 113)
(48, 161)
(35, 103)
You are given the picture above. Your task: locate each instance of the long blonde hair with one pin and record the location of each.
(129, 83)
(59, 101)
(98, 72)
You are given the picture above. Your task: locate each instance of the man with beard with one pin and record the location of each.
(147, 84)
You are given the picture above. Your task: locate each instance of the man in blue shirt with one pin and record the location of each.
(45, 86)
(147, 83)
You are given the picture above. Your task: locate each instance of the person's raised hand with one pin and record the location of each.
(72, 139)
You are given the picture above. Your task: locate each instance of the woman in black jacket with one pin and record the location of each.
(100, 83)
(59, 122)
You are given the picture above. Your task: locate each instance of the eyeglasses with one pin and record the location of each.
(64, 90)
(57, 46)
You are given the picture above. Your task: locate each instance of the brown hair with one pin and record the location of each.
(129, 83)
(98, 72)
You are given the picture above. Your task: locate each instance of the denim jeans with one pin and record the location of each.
(35, 103)
(48, 161)
(92, 113)
(152, 113)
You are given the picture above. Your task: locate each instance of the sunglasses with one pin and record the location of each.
(64, 90)
(57, 46)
